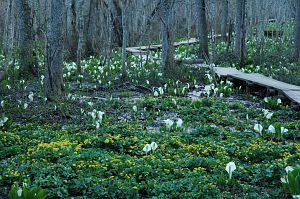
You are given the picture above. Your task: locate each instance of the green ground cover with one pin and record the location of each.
(93, 143)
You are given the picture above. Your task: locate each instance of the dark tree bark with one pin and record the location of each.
(202, 29)
(124, 38)
(240, 31)
(54, 85)
(224, 19)
(297, 30)
(72, 32)
(110, 34)
(117, 22)
(167, 31)
(26, 56)
(80, 42)
(9, 30)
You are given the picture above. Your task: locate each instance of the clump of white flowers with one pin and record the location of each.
(291, 180)
(170, 123)
(267, 113)
(97, 117)
(148, 147)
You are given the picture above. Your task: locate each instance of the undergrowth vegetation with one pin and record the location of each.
(151, 137)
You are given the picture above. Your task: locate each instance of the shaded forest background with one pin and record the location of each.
(100, 24)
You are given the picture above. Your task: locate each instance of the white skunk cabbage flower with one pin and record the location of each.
(279, 101)
(153, 146)
(283, 130)
(271, 129)
(230, 167)
(258, 128)
(179, 123)
(285, 178)
(147, 148)
(161, 90)
(19, 192)
(169, 123)
(134, 108)
(30, 96)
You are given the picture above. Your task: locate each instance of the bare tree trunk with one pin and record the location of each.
(297, 30)
(80, 36)
(189, 16)
(118, 23)
(214, 31)
(202, 29)
(27, 60)
(260, 28)
(124, 39)
(110, 34)
(167, 32)
(9, 31)
(71, 30)
(240, 31)
(224, 19)
(54, 84)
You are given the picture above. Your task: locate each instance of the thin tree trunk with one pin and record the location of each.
(260, 28)
(111, 33)
(9, 31)
(240, 31)
(202, 29)
(72, 32)
(297, 30)
(118, 23)
(224, 19)
(54, 85)
(124, 39)
(167, 32)
(214, 31)
(80, 37)
(111, 26)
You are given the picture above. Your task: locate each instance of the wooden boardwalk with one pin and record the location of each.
(290, 91)
(141, 50)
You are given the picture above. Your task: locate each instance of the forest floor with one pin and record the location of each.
(93, 143)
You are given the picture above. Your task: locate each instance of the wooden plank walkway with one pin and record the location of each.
(290, 91)
(142, 50)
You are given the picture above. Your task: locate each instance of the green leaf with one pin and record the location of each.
(292, 184)
(26, 193)
(297, 185)
(42, 194)
(13, 194)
